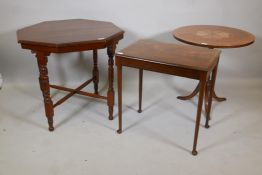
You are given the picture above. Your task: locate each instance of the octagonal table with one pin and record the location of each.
(65, 36)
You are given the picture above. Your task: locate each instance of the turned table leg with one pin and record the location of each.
(95, 72)
(44, 85)
(110, 92)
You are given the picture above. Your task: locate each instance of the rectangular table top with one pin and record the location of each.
(184, 56)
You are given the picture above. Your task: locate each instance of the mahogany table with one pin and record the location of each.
(180, 60)
(65, 36)
(212, 36)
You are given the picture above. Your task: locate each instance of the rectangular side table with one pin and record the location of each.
(65, 36)
(185, 61)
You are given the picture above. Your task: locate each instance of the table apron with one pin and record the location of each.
(161, 68)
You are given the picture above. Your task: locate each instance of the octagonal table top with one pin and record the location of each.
(213, 36)
(68, 33)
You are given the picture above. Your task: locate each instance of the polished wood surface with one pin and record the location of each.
(170, 59)
(172, 54)
(68, 32)
(73, 35)
(69, 35)
(213, 36)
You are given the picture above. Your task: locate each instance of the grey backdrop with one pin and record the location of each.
(140, 19)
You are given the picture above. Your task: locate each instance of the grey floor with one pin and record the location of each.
(158, 141)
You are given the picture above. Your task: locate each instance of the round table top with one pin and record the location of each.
(212, 36)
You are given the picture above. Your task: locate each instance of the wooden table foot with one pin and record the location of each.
(119, 131)
(194, 93)
(219, 99)
(51, 128)
(194, 152)
(207, 125)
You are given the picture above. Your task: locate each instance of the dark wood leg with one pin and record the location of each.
(44, 85)
(140, 89)
(211, 89)
(119, 83)
(110, 92)
(194, 93)
(95, 72)
(207, 94)
(199, 109)
(214, 74)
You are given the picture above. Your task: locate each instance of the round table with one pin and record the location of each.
(212, 36)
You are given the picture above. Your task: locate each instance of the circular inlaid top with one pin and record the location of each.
(213, 36)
